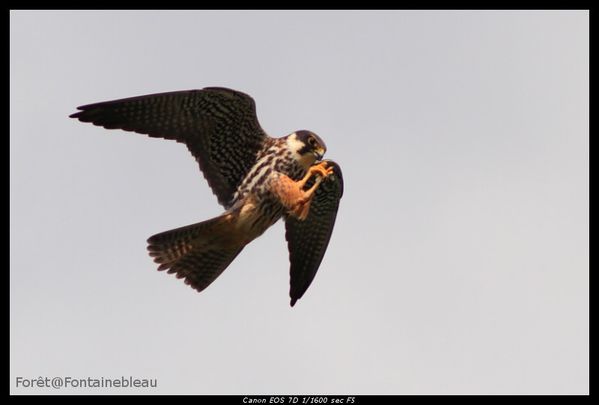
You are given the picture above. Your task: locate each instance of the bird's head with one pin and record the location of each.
(306, 146)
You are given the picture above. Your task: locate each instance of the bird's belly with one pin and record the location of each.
(257, 215)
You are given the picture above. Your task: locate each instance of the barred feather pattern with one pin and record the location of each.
(219, 127)
(308, 239)
(199, 253)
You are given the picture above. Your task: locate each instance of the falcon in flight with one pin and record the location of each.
(258, 179)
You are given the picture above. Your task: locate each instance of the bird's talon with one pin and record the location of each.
(321, 169)
(256, 175)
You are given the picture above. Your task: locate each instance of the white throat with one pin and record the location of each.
(295, 145)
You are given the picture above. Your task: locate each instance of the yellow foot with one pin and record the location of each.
(319, 169)
(302, 206)
(295, 198)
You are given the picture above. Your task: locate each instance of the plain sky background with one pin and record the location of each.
(459, 263)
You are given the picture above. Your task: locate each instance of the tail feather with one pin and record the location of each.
(199, 253)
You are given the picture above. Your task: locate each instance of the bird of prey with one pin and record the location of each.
(257, 178)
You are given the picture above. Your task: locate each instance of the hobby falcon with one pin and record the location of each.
(258, 179)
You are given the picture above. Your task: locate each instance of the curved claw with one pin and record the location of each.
(321, 169)
(301, 206)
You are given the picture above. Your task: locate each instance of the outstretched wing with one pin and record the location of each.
(218, 125)
(307, 240)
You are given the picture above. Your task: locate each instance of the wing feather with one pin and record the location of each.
(307, 240)
(219, 126)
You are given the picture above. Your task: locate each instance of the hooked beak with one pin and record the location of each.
(319, 153)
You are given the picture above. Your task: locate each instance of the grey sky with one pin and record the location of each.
(459, 262)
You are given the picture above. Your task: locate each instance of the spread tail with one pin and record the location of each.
(199, 253)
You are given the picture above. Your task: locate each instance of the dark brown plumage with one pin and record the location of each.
(258, 179)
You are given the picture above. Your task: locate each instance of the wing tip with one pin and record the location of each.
(293, 301)
(85, 114)
(76, 115)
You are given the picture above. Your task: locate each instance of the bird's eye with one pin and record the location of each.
(312, 141)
